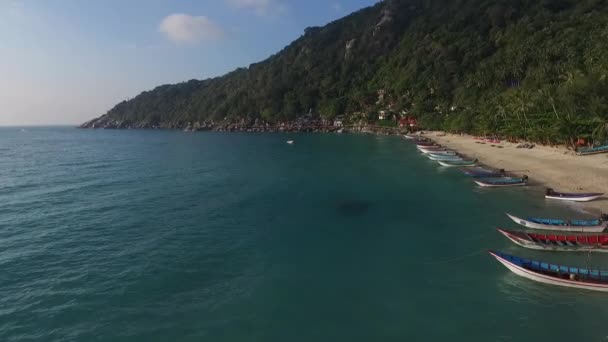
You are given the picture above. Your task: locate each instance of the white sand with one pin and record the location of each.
(557, 168)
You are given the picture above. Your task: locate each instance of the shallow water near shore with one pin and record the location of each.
(168, 236)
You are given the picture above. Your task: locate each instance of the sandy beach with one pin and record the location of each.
(554, 167)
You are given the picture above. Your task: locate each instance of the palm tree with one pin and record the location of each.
(600, 133)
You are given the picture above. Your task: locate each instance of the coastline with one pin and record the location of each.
(554, 167)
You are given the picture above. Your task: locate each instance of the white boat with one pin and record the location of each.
(428, 149)
(290, 142)
(432, 151)
(437, 157)
(572, 197)
(546, 273)
(501, 182)
(580, 226)
(442, 153)
(454, 163)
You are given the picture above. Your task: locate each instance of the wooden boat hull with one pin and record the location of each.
(436, 157)
(442, 153)
(591, 151)
(557, 243)
(485, 184)
(546, 279)
(423, 144)
(589, 198)
(577, 229)
(431, 150)
(448, 163)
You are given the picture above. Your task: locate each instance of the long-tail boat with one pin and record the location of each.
(592, 150)
(427, 150)
(574, 197)
(443, 157)
(553, 242)
(425, 143)
(547, 273)
(480, 172)
(462, 163)
(501, 182)
(579, 226)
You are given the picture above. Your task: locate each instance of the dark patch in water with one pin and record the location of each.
(353, 208)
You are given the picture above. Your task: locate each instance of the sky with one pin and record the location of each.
(68, 61)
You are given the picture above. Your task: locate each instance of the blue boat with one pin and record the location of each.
(581, 226)
(592, 150)
(501, 182)
(547, 273)
(483, 173)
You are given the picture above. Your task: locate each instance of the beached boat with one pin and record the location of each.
(442, 153)
(430, 149)
(547, 273)
(573, 197)
(437, 157)
(483, 173)
(461, 163)
(425, 143)
(580, 226)
(412, 136)
(592, 150)
(501, 182)
(561, 243)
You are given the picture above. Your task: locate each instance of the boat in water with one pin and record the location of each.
(290, 142)
(580, 226)
(561, 243)
(437, 157)
(501, 182)
(425, 143)
(442, 153)
(547, 273)
(573, 197)
(592, 150)
(461, 163)
(412, 136)
(427, 150)
(480, 172)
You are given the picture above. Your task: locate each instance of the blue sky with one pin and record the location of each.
(66, 61)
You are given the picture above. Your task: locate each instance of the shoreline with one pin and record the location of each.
(554, 167)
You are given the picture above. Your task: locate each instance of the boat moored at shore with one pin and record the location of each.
(480, 172)
(454, 163)
(444, 157)
(580, 226)
(562, 243)
(573, 197)
(501, 182)
(552, 274)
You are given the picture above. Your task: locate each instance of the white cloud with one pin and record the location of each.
(260, 7)
(187, 29)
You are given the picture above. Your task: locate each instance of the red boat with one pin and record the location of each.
(554, 242)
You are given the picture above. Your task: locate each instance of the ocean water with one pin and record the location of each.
(170, 236)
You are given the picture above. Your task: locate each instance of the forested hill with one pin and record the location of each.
(520, 68)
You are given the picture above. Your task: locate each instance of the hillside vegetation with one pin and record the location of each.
(533, 69)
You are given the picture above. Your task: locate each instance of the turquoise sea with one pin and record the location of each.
(170, 236)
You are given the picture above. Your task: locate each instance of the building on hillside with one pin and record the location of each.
(339, 121)
(408, 121)
(382, 115)
(381, 95)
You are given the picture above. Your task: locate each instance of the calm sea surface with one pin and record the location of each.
(169, 236)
